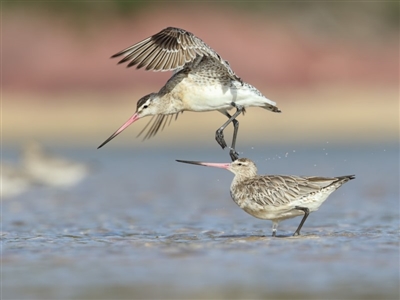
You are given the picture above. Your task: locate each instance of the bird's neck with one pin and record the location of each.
(239, 178)
(168, 102)
(171, 105)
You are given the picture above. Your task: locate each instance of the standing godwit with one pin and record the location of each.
(52, 170)
(276, 197)
(14, 180)
(202, 81)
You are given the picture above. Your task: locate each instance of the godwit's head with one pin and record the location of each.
(242, 167)
(146, 106)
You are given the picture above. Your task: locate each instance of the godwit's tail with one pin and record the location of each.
(272, 108)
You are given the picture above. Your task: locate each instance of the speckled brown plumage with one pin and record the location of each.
(277, 197)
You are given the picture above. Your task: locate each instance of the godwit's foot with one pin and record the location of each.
(234, 155)
(219, 136)
(306, 213)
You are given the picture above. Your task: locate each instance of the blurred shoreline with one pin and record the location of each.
(341, 114)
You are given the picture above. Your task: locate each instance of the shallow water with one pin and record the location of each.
(143, 226)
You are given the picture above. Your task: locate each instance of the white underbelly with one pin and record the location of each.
(208, 98)
(269, 212)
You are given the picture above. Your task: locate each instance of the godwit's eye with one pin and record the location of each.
(240, 164)
(145, 106)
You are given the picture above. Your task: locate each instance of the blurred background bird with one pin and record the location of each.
(50, 169)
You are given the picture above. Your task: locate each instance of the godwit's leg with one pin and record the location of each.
(306, 213)
(274, 227)
(219, 135)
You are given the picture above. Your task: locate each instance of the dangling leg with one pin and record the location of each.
(306, 213)
(219, 136)
(234, 155)
(274, 227)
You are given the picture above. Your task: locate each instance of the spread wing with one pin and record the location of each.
(170, 49)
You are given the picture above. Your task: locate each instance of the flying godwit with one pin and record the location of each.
(276, 197)
(202, 81)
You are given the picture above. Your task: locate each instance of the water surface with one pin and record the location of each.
(143, 226)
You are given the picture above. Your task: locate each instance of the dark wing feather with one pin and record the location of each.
(170, 49)
(157, 122)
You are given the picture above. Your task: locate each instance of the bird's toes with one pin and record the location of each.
(219, 136)
(234, 155)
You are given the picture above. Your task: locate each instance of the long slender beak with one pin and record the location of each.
(199, 163)
(132, 119)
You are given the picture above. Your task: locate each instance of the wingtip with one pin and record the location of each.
(132, 63)
(116, 55)
(347, 177)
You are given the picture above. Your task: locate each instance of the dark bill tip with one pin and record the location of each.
(107, 140)
(199, 163)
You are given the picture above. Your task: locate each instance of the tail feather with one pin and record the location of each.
(346, 177)
(272, 108)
